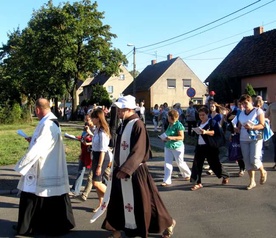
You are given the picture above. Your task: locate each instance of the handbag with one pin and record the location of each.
(267, 132)
(234, 149)
(218, 139)
(264, 134)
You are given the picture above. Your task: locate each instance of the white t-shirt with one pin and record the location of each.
(243, 119)
(200, 138)
(100, 141)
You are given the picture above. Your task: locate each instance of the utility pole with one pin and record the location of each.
(134, 69)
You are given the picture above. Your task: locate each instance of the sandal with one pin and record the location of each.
(197, 186)
(210, 172)
(168, 232)
(263, 178)
(241, 173)
(251, 185)
(94, 210)
(164, 184)
(225, 181)
(114, 236)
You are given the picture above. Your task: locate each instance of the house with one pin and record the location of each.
(167, 81)
(114, 84)
(82, 92)
(252, 61)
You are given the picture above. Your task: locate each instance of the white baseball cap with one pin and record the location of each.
(126, 102)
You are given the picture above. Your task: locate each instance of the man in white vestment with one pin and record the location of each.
(45, 206)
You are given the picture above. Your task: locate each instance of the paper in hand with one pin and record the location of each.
(197, 130)
(21, 133)
(163, 136)
(72, 137)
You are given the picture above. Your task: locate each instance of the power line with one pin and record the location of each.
(241, 33)
(226, 38)
(211, 49)
(223, 23)
(200, 26)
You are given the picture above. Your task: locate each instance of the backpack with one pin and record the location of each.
(218, 140)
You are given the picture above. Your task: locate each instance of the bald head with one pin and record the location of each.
(42, 107)
(42, 103)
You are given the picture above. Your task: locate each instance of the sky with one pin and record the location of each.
(201, 32)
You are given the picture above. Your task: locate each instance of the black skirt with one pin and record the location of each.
(45, 215)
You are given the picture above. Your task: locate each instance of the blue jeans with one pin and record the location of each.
(78, 181)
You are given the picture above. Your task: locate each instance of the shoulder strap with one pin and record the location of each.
(55, 121)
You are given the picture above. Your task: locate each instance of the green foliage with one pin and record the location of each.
(61, 46)
(99, 96)
(249, 90)
(13, 114)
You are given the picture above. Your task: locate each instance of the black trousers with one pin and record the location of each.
(212, 156)
(44, 215)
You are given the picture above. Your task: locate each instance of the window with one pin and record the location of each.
(171, 83)
(187, 83)
(110, 89)
(122, 77)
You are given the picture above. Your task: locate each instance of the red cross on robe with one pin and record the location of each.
(124, 145)
(128, 207)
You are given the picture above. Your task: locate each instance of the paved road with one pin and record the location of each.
(214, 211)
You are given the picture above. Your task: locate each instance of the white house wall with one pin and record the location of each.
(160, 93)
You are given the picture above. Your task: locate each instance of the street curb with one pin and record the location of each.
(11, 191)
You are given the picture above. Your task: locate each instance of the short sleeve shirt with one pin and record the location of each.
(173, 131)
(243, 119)
(100, 141)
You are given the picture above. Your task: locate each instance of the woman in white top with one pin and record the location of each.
(251, 119)
(155, 113)
(100, 148)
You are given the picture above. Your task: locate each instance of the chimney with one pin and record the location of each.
(258, 30)
(169, 56)
(153, 62)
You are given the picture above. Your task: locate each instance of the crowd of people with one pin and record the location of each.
(125, 179)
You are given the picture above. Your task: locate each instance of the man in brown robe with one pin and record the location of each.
(151, 215)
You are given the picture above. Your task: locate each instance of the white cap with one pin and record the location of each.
(126, 102)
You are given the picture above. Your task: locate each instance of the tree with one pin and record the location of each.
(99, 96)
(61, 46)
(249, 90)
(136, 73)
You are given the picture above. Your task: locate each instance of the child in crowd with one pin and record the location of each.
(85, 161)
